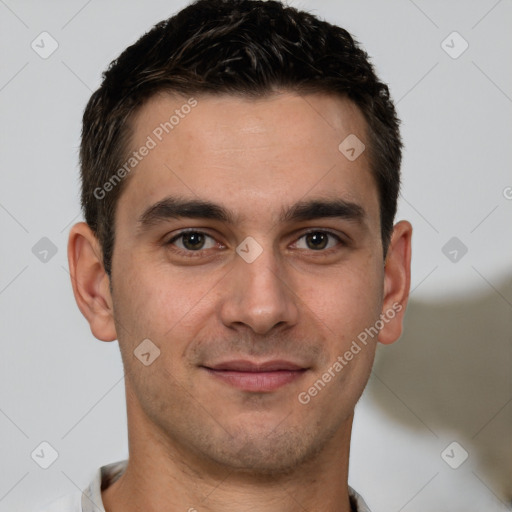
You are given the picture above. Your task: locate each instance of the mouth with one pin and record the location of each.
(256, 377)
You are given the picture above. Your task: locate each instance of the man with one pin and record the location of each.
(240, 172)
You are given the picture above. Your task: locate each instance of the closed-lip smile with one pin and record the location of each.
(256, 376)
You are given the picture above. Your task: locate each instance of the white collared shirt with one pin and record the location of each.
(90, 500)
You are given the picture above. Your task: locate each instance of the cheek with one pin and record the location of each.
(347, 300)
(157, 302)
(346, 305)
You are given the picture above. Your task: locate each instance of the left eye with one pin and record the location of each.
(193, 241)
(318, 240)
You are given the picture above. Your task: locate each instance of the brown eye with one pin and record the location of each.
(318, 240)
(192, 241)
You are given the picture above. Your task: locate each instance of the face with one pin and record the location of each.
(248, 251)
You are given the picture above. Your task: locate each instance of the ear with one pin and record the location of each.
(91, 284)
(397, 282)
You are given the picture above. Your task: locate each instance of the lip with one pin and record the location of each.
(242, 365)
(256, 376)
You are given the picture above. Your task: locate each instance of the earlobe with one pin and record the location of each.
(90, 282)
(397, 282)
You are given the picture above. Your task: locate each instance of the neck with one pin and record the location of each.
(161, 475)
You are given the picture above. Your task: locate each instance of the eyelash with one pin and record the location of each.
(198, 253)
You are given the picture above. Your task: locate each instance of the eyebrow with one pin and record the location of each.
(176, 207)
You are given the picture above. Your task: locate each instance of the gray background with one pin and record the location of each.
(447, 379)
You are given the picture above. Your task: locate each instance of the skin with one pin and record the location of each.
(196, 441)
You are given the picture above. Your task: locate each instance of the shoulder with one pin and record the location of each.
(90, 500)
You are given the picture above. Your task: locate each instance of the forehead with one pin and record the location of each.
(252, 156)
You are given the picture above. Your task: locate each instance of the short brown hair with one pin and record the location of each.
(247, 48)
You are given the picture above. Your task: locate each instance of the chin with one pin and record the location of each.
(267, 454)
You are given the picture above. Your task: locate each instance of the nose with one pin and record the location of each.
(258, 295)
